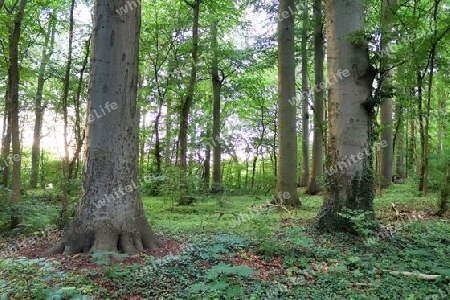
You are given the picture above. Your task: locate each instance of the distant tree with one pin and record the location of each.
(13, 99)
(313, 186)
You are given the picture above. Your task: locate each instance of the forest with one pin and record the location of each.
(224, 149)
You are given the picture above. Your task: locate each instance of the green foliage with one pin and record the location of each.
(224, 279)
(24, 278)
(362, 221)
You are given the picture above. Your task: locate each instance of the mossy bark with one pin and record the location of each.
(349, 179)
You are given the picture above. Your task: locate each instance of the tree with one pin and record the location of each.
(387, 12)
(349, 181)
(187, 103)
(47, 52)
(305, 98)
(65, 190)
(13, 92)
(110, 214)
(286, 188)
(313, 186)
(216, 86)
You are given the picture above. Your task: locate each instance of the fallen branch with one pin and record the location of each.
(414, 274)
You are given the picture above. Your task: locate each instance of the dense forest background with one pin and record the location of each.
(242, 132)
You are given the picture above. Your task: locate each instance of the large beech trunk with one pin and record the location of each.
(286, 188)
(349, 179)
(110, 214)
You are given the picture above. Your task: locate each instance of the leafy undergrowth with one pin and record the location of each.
(270, 254)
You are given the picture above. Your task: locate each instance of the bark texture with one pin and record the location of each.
(286, 188)
(110, 214)
(349, 178)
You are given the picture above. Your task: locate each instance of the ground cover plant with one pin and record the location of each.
(261, 252)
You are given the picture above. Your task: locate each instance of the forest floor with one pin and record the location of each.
(239, 247)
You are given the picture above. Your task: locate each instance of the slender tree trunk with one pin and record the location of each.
(216, 86)
(186, 106)
(349, 176)
(317, 162)
(6, 140)
(207, 163)
(38, 110)
(305, 99)
(442, 111)
(110, 215)
(65, 186)
(79, 132)
(168, 145)
(423, 134)
(286, 188)
(388, 8)
(158, 148)
(13, 88)
(445, 193)
(399, 142)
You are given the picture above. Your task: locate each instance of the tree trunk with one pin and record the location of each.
(110, 215)
(64, 220)
(38, 110)
(388, 8)
(349, 178)
(286, 188)
(168, 141)
(399, 142)
(305, 99)
(317, 162)
(6, 140)
(442, 111)
(216, 86)
(158, 148)
(445, 193)
(79, 133)
(207, 163)
(13, 88)
(186, 106)
(423, 134)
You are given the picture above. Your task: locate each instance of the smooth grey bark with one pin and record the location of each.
(305, 99)
(349, 177)
(13, 88)
(216, 87)
(313, 186)
(388, 8)
(286, 187)
(47, 51)
(110, 215)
